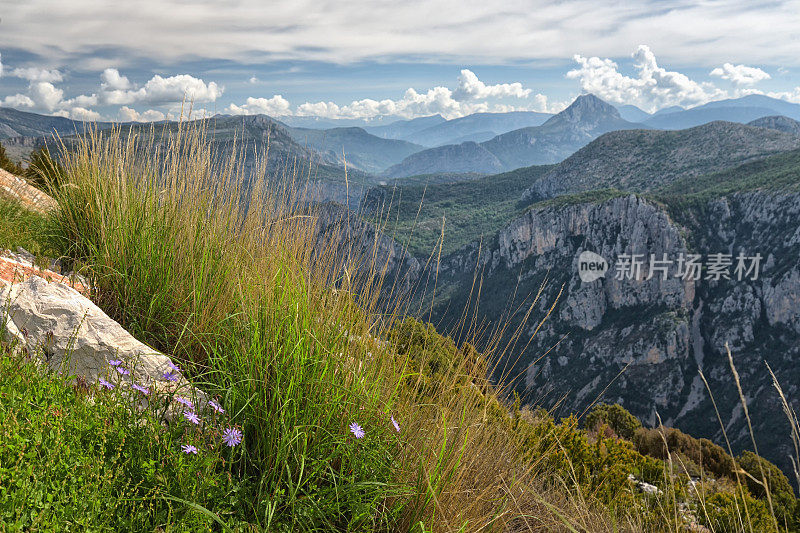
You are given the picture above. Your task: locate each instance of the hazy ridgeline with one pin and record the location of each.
(297, 319)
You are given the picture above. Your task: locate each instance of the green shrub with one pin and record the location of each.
(7, 164)
(725, 511)
(616, 417)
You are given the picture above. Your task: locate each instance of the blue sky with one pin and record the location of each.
(92, 59)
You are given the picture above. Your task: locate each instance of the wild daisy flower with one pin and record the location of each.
(170, 376)
(191, 417)
(188, 448)
(143, 390)
(395, 424)
(357, 430)
(217, 407)
(232, 437)
(115, 362)
(105, 384)
(173, 366)
(122, 370)
(185, 401)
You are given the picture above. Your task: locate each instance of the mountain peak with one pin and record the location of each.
(587, 108)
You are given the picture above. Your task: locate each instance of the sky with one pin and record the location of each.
(369, 60)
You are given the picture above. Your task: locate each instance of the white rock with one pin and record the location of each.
(66, 331)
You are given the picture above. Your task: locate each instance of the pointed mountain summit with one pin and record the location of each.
(586, 109)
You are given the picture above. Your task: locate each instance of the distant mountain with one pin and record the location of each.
(781, 107)
(698, 116)
(670, 109)
(780, 123)
(477, 127)
(355, 146)
(404, 129)
(585, 119)
(632, 113)
(742, 110)
(14, 123)
(646, 160)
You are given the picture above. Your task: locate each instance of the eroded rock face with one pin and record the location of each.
(66, 331)
(641, 341)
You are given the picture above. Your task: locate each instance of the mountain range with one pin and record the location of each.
(585, 119)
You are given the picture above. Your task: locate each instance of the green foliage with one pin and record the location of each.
(76, 458)
(757, 466)
(471, 209)
(20, 227)
(725, 511)
(658, 442)
(7, 164)
(43, 171)
(614, 416)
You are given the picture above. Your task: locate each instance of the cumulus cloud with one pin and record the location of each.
(117, 89)
(18, 100)
(471, 88)
(470, 96)
(790, 96)
(276, 106)
(112, 80)
(38, 74)
(740, 74)
(127, 114)
(45, 95)
(653, 88)
(79, 113)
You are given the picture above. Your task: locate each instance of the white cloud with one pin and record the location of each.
(127, 114)
(275, 107)
(45, 95)
(112, 80)
(471, 88)
(740, 74)
(653, 88)
(1, 65)
(79, 113)
(117, 89)
(470, 96)
(254, 80)
(38, 74)
(345, 32)
(790, 96)
(18, 100)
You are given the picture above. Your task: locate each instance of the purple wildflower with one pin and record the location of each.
(105, 384)
(395, 424)
(188, 448)
(122, 370)
(232, 437)
(357, 430)
(143, 390)
(217, 407)
(185, 401)
(170, 376)
(115, 362)
(173, 366)
(191, 417)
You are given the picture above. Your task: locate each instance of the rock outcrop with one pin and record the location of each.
(62, 329)
(16, 188)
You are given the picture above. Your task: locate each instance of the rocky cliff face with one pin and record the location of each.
(640, 340)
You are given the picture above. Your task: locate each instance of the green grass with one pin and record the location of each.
(20, 227)
(79, 459)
